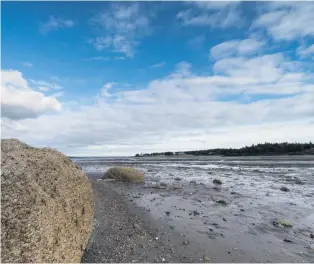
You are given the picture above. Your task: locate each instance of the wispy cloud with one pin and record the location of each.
(214, 14)
(236, 47)
(287, 20)
(55, 24)
(122, 25)
(99, 58)
(44, 85)
(306, 51)
(158, 65)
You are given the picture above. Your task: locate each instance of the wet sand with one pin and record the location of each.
(199, 221)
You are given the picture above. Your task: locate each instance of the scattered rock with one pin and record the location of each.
(311, 235)
(167, 213)
(46, 205)
(185, 242)
(178, 179)
(282, 223)
(284, 189)
(298, 180)
(217, 181)
(163, 184)
(136, 226)
(242, 210)
(195, 212)
(125, 174)
(192, 182)
(236, 193)
(287, 240)
(223, 202)
(224, 219)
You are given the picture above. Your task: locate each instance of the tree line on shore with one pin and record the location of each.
(284, 148)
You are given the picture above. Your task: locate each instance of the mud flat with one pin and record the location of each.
(180, 215)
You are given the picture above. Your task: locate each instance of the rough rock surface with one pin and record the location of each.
(46, 205)
(125, 174)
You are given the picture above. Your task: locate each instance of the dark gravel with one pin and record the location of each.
(121, 236)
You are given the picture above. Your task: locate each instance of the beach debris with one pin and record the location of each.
(167, 213)
(217, 181)
(193, 182)
(156, 238)
(284, 189)
(186, 242)
(242, 210)
(178, 179)
(224, 219)
(172, 226)
(282, 223)
(287, 240)
(312, 236)
(210, 172)
(236, 193)
(222, 202)
(163, 259)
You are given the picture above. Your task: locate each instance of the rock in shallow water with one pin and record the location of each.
(46, 204)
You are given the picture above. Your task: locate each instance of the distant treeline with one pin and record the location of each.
(254, 150)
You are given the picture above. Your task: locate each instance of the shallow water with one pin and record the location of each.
(243, 229)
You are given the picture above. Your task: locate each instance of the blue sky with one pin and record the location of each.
(117, 78)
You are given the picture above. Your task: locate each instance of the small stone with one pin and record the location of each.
(167, 213)
(287, 240)
(136, 226)
(186, 242)
(284, 189)
(217, 181)
(178, 179)
(192, 182)
(224, 219)
(223, 202)
(298, 180)
(311, 235)
(242, 210)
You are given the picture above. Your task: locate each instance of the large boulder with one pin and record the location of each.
(46, 205)
(125, 174)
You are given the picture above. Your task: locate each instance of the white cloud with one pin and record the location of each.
(19, 101)
(287, 20)
(213, 14)
(184, 111)
(55, 24)
(122, 25)
(236, 47)
(304, 51)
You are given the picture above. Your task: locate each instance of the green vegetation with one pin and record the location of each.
(124, 174)
(254, 150)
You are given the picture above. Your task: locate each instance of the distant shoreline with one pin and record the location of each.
(265, 149)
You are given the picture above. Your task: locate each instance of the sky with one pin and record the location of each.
(119, 78)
